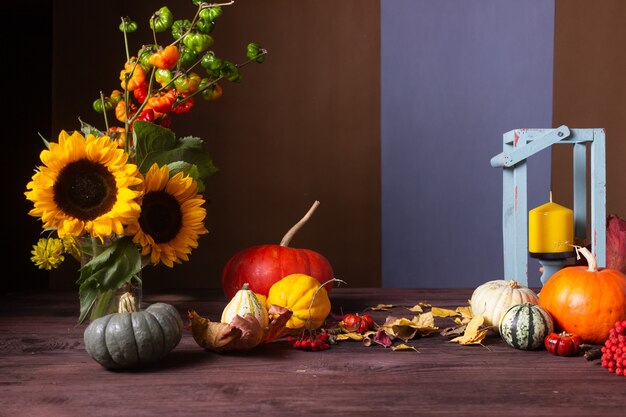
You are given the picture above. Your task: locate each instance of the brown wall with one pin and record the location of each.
(301, 127)
(590, 89)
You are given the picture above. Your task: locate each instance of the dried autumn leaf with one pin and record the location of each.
(382, 338)
(443, 312)
(242, 333)
(462, 320)
(416, 309)
(473, 334)
(453, 331)
(616, 243)
(406, 329)
(425, 323)
(403, 347)
(465, 312)
(402, 328)
(381, 307)
(278, 318)
(350, 336)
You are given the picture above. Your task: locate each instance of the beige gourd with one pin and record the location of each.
(493, 298)
(245, 302)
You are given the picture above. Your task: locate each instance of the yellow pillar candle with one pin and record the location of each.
(550, 229)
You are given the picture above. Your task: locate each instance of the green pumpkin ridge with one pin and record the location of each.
(95, 345)
(120, 340)
(148, 337)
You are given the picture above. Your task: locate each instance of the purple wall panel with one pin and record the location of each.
(456, 75)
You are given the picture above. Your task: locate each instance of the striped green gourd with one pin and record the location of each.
(524, 326)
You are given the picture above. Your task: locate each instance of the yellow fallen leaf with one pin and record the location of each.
(403, 328)
(381, 307)
(369, 333)
(403, 347)
(349, 336)
(466, 311)
(444, 312)
(425, 323)
(464, 320)
(473, 334)
(406, 329)
(416, 309)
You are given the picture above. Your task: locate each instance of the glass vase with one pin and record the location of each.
(108, 301)
(110, 277)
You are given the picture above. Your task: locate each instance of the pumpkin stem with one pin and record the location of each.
(513, 284)
(127, 304)
(308, 320)
(591, 260)
(294, 229)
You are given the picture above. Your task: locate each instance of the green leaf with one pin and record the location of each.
(189, 170)
(151, 138)
(113, 267)
(87, 293)
(156, 144)
(88, 129)
(109, 270)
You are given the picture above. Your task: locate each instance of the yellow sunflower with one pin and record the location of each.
(172, 217)
(84, 186)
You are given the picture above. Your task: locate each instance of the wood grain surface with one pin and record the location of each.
(45, 371)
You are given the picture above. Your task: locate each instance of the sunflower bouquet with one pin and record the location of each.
(127, 196)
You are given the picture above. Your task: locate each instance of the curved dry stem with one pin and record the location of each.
(294, 229)
(307, 325)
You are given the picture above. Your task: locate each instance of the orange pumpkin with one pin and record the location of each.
(585, 300)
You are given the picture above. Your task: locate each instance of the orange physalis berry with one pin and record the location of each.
(117, 135)
(165, 58)
(132, 76)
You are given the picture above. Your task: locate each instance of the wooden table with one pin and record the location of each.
(44, 370)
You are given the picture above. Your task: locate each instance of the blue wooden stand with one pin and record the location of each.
(520, 144)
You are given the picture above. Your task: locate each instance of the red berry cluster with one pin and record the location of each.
(315, 342)
(614, 349)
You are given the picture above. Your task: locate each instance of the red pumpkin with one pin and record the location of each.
(262, 266)
(586, 301)
(563, 344)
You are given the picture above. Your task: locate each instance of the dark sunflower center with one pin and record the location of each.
(85, 190)
(161, 216)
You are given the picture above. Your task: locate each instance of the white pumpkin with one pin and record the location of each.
(493, 298)
(245, 302)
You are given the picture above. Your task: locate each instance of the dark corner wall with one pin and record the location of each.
(590, 89)
(26, 99)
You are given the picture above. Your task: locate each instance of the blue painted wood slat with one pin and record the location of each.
(518, 146)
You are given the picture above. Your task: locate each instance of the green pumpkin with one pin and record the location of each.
(525, 326)
(128, 340)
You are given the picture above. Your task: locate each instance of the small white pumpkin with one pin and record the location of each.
(245, 302)
(525, 326)
(493, 298)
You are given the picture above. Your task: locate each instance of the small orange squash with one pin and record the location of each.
(585, 300)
